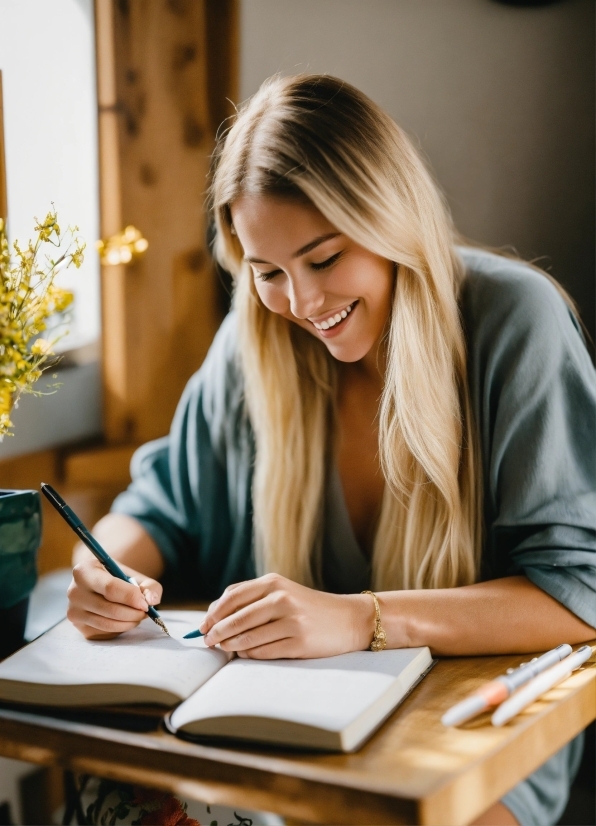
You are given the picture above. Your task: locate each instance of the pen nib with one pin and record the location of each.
(162, 625)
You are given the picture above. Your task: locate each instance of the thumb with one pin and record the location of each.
(151, 590)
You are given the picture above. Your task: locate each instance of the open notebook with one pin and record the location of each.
(334, 703)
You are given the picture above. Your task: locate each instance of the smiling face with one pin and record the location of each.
(313, 275)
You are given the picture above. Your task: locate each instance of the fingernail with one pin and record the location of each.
(151, 597)
(203, 627)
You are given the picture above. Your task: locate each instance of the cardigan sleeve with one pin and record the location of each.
(535, 402)
(189, 489)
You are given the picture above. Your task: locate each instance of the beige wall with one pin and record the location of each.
(500, 99)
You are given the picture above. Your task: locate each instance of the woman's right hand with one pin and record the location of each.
(102, 606)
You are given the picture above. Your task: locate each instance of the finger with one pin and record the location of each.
(286, 649)
(89, 601)
(236, 597)
(213, 605)
(98, 623)
(237, 585)
(151, 590)
(265, 610)
(263, 635)
(113, 589)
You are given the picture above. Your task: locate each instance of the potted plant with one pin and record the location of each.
(32, 308)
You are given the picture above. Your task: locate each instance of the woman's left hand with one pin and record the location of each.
(273, 617)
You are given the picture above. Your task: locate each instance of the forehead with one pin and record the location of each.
(271, 228)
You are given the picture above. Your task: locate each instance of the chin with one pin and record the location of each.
(348, 352)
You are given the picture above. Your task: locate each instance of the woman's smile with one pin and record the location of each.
(331, 324)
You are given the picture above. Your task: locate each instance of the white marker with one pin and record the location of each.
(539, 685)
(495, 692)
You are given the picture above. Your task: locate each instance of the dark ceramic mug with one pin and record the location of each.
(20, 538)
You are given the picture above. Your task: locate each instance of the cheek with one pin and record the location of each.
(272, 296)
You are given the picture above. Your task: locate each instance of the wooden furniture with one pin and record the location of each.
(166, 76)
(89, 479)
(412, 771)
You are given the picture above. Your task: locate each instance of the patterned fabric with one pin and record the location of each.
(99, 802)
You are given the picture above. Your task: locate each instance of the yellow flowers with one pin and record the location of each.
(28, 299)
(41, 347)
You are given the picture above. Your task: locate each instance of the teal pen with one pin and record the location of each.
(193, 634)
(91, 542)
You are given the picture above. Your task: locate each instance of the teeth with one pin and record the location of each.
(334, 319)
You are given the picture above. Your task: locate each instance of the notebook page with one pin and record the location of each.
(328, 693)
(142, 656)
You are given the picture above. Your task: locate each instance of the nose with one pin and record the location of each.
(306, 297)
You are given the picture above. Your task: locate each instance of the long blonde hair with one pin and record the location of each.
(318, 139)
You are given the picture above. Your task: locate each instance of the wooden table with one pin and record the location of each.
(412, 771)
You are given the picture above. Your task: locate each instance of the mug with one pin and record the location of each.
(20, 538)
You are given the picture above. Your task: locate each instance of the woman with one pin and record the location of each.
(382, 410)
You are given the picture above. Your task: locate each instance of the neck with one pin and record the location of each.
(369, 370)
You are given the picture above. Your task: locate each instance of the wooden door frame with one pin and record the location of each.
(123, 422)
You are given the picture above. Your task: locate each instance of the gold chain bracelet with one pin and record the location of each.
(379, 640)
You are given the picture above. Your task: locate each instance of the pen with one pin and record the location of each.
(192, 634)
(540, 685)
(494, 692)
(98, 552)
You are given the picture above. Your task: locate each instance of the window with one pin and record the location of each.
(47, 58)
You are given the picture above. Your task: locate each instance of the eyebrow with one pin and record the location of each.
(320, 239)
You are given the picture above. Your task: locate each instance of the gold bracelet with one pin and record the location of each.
(379, 640)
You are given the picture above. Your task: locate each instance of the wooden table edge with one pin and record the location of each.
(27, 737)
(558, 724)
(310, 793)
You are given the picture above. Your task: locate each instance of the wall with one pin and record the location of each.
(500, 99)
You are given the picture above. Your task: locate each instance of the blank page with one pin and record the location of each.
(143, 656)
(327, 693)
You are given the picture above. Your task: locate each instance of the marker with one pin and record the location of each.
(494, 692)
(540, 685)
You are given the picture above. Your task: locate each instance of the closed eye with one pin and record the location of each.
(314, 265)
(267, 276)
(328, 262)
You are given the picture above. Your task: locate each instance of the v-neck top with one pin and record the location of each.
(345, 567)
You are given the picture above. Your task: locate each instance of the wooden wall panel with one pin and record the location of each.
(162, 91)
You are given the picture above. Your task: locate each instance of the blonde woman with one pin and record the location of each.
(382, 410)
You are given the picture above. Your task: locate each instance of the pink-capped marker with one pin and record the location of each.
(496, 691)
(540, 685)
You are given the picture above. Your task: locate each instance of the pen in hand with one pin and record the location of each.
(93, 545)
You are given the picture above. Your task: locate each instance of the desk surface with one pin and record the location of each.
(412, 771)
